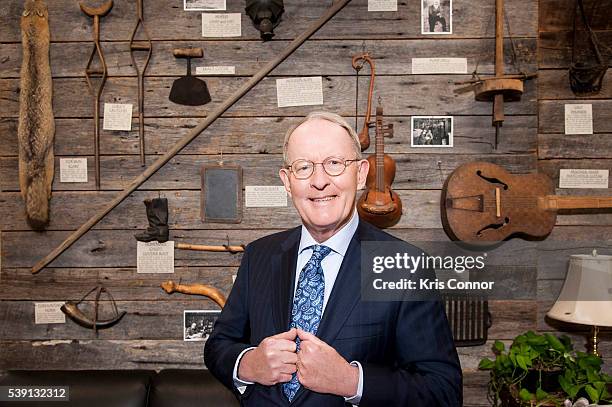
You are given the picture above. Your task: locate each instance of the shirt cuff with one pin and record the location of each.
(241, 385)
(357, 397)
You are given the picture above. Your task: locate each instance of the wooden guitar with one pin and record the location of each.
(379, 204)
(482, 202)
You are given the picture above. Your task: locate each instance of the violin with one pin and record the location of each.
(482, 202)
(358, 62)
(379, 204)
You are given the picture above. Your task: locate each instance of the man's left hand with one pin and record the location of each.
(321, 369)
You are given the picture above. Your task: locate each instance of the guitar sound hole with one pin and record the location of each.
(491, 180)
(493, 226)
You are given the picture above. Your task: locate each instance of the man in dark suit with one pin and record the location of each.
(294, 330)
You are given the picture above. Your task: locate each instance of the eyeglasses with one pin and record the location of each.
(333, 166)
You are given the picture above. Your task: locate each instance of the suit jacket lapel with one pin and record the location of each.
(284, 268)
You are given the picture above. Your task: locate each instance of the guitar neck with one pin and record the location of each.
(556, 202)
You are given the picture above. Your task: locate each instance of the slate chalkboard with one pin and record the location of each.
(221, 194)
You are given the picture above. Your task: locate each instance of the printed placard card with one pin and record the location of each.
(304, 91)
(155, 257)
(215, 70)
(221, 25)
(581, 178)
(382, 5)
(265, 196)
(73, 169)
(117, 116)
(49, 313)
(204, 5)
(579, 119)
(422, 66)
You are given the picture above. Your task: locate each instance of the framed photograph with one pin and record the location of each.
(431, 131)
(204, 5)
(436, 16)
(198, 324)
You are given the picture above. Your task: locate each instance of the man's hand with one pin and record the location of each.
(273, 361)
(321, 369)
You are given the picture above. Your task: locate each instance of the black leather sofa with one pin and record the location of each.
(124, 388)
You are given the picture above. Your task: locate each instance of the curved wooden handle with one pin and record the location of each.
(195, 289)
(188, 52)
(97, 11)
(358, 61)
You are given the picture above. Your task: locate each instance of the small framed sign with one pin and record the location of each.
(221, 198)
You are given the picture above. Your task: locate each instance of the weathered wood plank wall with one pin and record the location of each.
(250, 134)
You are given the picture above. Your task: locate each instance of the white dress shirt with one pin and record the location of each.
(338, 244)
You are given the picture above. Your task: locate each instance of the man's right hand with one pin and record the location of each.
(272, 362)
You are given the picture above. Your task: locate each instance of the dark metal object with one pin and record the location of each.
(71, 308)
(469, 318)
(101, 72)
(146, 46)
(189, 90)
(189, 137)
(157, 215)
(266, 14)
(586, 77)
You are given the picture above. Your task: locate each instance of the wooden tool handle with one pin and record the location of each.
(188, 52)
(195, 289)
(208, 248)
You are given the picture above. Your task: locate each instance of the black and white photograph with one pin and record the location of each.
(198, 324)
(436, 16)
(432, 131)
(204, 5)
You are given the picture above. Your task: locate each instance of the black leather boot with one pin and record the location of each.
(157, 214)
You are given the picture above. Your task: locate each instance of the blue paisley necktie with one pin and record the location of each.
(307, 304)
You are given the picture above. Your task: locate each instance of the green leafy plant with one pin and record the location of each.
(544, 370)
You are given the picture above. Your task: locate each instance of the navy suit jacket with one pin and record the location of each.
(405, 347)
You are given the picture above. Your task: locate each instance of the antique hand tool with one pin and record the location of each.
(209, 248)
(501, 87)
(71, 308)
(358, 62)
(195, 289)
(379, 204)
(189, 90)
(192, 134)
(99, 72)
(36, 128)
(140, 46)
(482, 202)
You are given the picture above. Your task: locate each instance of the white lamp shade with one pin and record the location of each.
(586, 296)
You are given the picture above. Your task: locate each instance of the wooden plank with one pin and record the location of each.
(556, 145)
(400, 95)
(256, 135)
(551, 114)
(419, 171)
(71, 209)
(170, 22)
(555, 84)
(63, 284)
(556, 15)
(327, 57)
(555, 50)
(510, 318)
(475, 389)
(552, 167)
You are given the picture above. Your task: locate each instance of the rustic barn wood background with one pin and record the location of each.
(250, 134)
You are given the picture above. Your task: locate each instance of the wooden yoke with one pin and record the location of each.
(161, 161)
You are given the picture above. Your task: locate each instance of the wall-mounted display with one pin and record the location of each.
(93, 70)
(379, 204)
(157, 215)
(436, 16)
(266, 15)
(198, 324)
(72, 310)
(358, 63)
(221, 198)
(482, 203)
(431, 131)
(137, 46)
(195, 289)
(36, 129)
(189, 90)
